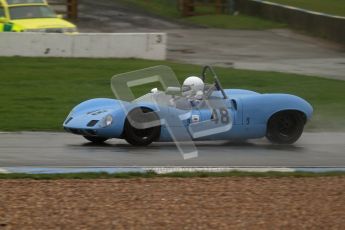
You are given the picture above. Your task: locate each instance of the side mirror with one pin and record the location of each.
(59, 16)
(2, 19)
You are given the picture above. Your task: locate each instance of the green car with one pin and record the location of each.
(31, 16)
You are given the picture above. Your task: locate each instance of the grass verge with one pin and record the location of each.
(335, 7)
(37, 93)
(168, 9)
(103, 175)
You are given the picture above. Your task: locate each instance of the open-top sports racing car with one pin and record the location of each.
(226, 114)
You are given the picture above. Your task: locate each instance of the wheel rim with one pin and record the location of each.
(141, 136)
(287, 125)
(143, 133)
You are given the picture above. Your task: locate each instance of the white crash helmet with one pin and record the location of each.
(192, 85)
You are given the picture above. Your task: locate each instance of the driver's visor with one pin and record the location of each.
(186, 88)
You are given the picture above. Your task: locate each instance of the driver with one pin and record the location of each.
(193, 89)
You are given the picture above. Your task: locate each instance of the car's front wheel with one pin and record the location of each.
(285, 127)
(145, 136)
(96, 140)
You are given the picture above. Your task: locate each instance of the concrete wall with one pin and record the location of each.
(117, 45)
(319, 24)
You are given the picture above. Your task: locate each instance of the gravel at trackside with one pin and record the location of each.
(170, 203)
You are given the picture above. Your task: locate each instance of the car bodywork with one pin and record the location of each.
(31, 16)
(250, 114)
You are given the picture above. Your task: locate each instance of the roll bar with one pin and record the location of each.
(216, 80)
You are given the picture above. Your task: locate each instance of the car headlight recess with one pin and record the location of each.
(106, 121)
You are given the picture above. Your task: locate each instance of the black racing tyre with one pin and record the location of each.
(141, 137)
(285, 127)
(96, 140)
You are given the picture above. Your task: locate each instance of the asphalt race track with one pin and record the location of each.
(62, 149)
(281, 50)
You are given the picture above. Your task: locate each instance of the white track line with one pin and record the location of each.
(3, 171)
(163, 170)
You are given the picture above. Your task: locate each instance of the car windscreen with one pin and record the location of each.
(162, 99)
(2, 12)
(25, 12)
(13, 2)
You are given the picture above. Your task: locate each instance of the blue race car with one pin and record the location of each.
(195, 111)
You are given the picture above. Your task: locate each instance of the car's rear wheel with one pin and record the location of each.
(285, 127)
(145, 136)
(96, 140)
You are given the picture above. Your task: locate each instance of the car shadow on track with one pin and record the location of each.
(202, 145)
